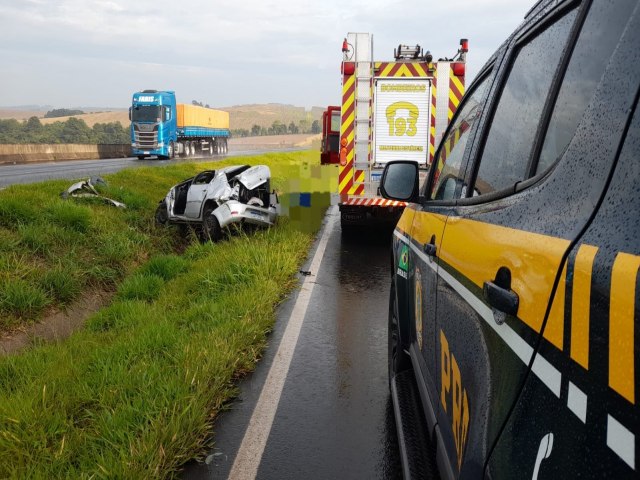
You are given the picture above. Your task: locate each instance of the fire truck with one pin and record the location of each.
(395, 110)
(330, 146)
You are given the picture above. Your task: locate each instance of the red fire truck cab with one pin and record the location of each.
(330, 147)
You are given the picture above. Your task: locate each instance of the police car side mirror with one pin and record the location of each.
(400, 181)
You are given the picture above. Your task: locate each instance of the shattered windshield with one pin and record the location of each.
(145, 113)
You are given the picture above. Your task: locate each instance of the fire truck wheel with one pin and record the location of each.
(347, 230)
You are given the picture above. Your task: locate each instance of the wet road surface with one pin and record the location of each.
(334, 418)
(74, 169)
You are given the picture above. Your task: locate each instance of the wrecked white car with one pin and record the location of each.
(215, 199)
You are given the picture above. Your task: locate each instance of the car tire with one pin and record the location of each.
(398, 361)
(211, 230)
(161, 215)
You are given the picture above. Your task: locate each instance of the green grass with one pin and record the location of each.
(134, 393)
(97, 244)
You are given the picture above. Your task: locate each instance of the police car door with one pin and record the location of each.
(501, 287)
(428, 228)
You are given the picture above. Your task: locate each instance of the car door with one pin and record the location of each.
(590, 429)
(426, 228)
(503, 248)
(197, 193)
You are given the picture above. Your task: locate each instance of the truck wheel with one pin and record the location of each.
(141, 157)
(210, 148)
(211, 230)
(162, 216)
(398, 361)
(172, 151)
(225, 148)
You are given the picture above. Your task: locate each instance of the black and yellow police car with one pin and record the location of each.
(513, 316)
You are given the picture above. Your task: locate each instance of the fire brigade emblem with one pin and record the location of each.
(418, 306)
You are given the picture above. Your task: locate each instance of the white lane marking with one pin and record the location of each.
(546, 372)
(621, 441)
(577, 402)
(255, 438)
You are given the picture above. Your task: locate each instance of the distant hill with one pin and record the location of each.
(245, 116)
(19, 114)
(241, 116)
(91, 119)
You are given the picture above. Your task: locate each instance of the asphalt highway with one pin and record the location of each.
(82, 169)
(318, 404)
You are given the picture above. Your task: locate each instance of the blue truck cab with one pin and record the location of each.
(164, 128)
(153, 124)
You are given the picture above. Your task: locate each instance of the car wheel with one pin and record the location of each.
(162, 216)
(398, 361)
(211, 230)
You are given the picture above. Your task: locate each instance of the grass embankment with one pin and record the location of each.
(131, 395)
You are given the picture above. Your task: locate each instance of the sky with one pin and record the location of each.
(96, 53)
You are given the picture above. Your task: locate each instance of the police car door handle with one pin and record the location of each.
(502, 299)
(429, 249)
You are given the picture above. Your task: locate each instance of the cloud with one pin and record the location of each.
(259, 51)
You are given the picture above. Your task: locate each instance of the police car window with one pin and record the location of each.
(599, 36)
(448, 162)
(514, 125)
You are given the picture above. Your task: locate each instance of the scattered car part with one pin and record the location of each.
(87, 189)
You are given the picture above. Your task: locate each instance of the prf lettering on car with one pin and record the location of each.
(452, 394)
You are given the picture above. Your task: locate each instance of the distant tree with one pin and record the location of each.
(110, 133)
(76, 131)
(10, 131)
(264, 131)
(207, 106)
(197, 103)
(33, 130)
(303, 126)
(315, 127)
(62, 112)
(255, 130)
(278, 128)
(240, 132)
(293, 128)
